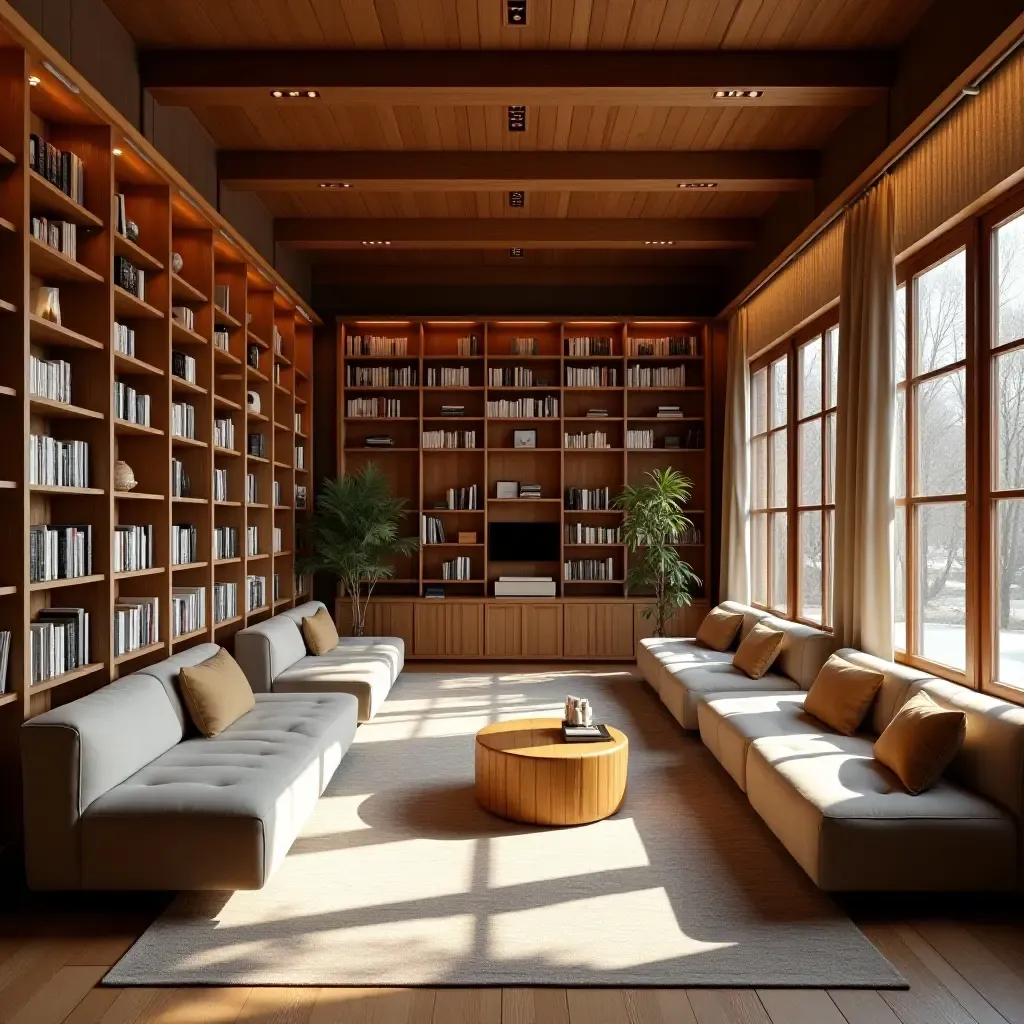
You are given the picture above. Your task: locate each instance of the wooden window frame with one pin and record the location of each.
(788, 349)
(908, 271)
(990, 494)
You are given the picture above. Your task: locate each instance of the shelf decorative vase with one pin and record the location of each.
(131, 231)
(124, 477)
(176, 262)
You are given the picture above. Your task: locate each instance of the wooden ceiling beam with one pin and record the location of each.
(500, 232)
(474, 78)
(395, 171)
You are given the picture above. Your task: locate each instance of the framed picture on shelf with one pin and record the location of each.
(507, 489)
(524, 439)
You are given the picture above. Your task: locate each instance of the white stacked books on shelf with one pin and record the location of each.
(525, 586)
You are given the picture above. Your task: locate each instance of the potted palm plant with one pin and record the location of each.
(653, 524)
(354, 535)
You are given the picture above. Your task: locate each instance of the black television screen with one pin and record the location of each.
(523, 542)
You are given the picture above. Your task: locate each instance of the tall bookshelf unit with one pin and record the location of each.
(172, 218)
(426, 365)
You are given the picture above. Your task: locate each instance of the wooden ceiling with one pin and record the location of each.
(409, 125)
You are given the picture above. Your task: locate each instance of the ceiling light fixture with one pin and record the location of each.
(335, 184)
(517, 118)
(295, 94)
(517, 199)
(34, 80)
(971, 90)
(116, 151)
(515, 253)
(739, 94)
(697, 184)
(515, 13)
(376, 243)
(62, 78)
(659, 242)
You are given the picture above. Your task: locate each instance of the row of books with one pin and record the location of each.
(671, 345)
(225, 601)
(509, 377)
(584, 499)
(181, 485)
(252, 540)
(136, 623)
(468, 345)
(300, 456)
(124, 339)
(50, 378)
(524, 408)
(60, 167)
(220, 485)
(256, 445)
(184, 316)
(224, 433)
(183, 420)
(58, 643)
(591, 377)
(130, 277)
(222, 340)
(58, 552)
(579, 533)
(5, 655)
(601, 346)
(458, 568)
(449, 439)
(61, 235)
(278, 540)
(133, 548)
(251, 489)
(638, 440)
(277, 492)
(655, 376)
(55, 463)
(368, 408)
(595, 439)
(371, 345)
(184, 544)
(463, 497)
(183, 366)
(131, 405)
(447, 377)
(523, 346)
(255, 592)
(381, 376)
(431, 530)
(590, 569)
(225, 542)
(188, 610)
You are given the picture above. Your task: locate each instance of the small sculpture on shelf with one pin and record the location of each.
(176, 262)
(578, 711)
(46, 303)
(131, 231)
(124, 477)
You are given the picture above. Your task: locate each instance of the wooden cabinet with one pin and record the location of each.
(383, 618)
(683, 623)
(522, 630)
(448, 629)
(598, 630)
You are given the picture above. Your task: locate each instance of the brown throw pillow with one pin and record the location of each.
(759, 650)
(842, 694)
(216, 693)
(920, 742)
(719, 629)
(319, 632)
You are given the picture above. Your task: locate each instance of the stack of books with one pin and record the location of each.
(62, 552)
(529, 491)
(59, 167)
(255, 592)
(136, 623)
(133, 548)
(597, 413)
(225, 601)
(435, 592)
(50, 378)
(188, 609)
(598, 569)
(225, 542)
(129, 277)
(184, 544)
(53, 463)
(463, 498)
(582, 499)
(58, 642)
(669, 412)
(379, 441)
(453, 410)
(458, 568)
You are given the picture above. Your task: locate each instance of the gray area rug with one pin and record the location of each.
(399, 878)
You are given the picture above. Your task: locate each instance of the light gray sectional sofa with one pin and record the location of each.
(122, 793)
(273, 657)
(842, 815)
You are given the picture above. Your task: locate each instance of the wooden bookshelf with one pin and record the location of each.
(172, 218)
(422, 475)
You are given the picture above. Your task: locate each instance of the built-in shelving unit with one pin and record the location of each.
(228, 288)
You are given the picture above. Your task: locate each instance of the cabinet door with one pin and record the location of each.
(598, 630)
(449, 629)
(383, 618)
(542, 630)
(503, 630)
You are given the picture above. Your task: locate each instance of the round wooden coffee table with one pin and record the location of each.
(526, 772)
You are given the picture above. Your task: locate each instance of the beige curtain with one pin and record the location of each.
(735, 582)
(863, 580)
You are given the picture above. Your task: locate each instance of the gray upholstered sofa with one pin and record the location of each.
(273, 656)
(120, 792)
(843, 816)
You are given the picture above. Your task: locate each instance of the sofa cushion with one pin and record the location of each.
(730, 722)
(216, 693)
(719, 629)
(366, 667)
(319, 632)
(655, 655)
(268, 648)
(755, 654)
(302, 611)
(684, 687)
(850, 824)
(804, 650)
(167, 672)
(222, 812)
(898, 681)
(751, 617)
(842, 694)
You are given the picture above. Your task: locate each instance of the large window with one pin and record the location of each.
(1006, 436)
(792, 448)
(931, 540)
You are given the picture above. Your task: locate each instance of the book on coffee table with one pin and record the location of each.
(585, 733)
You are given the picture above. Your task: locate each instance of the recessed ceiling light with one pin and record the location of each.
(517, 199)
(515, 13)
(117, 152)
(660, 242)
(295, 94)
(335, 184)
(33, 80)
(376, 243)
(277, 94)
(739, 94)
(698, 184)
(517, 118)
(515, 253)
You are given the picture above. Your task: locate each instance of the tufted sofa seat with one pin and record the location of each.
(120, 792)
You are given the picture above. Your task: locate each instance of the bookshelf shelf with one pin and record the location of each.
(184, 336)
(187, 442)
(222, 318)
(181, 638)
(7, 157)
(8, 307)
(137, 496)
(223, 402)
(46, 332)
(67, 677)
(255, 339)
(68, 491)
(139, 652)
(189, 565)
(8, 591)
(7, 225)
(52, 265)
(182, 291)
(130, 307)
(230, 453)
(223, 623)
(74, 581)
(61, 410)
(47, 198)
(138, 429)
(221, 356)
(188, 500)
(156, 571)
(9, 698)
(182, 385)
(131, 364)
(133, 251)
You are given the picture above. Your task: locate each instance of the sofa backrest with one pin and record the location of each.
(303, 611)
(267, 649)
(751, 617)
(897, 683)
(166, 673)
(804, 650)
(74, 754)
